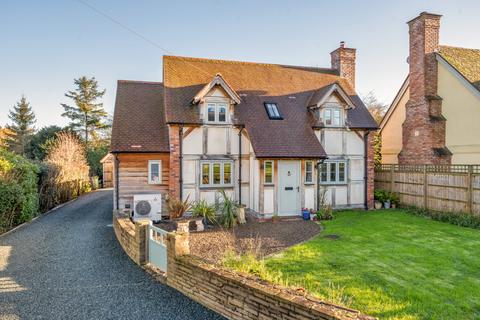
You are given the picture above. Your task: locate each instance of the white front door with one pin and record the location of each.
(289, 188)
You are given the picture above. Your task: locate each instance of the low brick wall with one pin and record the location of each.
(238, 296)
(131, 236)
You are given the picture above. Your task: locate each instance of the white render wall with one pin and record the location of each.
(344, 144)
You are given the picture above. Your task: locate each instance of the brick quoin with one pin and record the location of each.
(174, 174)
(424, 127)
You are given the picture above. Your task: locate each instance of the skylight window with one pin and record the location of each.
(272, 111)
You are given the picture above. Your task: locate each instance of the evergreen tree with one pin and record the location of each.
(36, 149)
(87, 116)
(22, 128)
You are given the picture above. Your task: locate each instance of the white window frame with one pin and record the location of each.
(149, 178)
(337, 172)
(332, 110)
(222, 163)
(217, 106)
(272, 111)
(265, 172)
(311, 171)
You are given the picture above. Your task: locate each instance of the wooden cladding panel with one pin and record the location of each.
(133, 175)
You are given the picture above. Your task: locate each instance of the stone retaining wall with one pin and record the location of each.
(131, 236)
(233, 295)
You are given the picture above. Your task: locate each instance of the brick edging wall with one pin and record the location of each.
(241, 296)
(131, 236)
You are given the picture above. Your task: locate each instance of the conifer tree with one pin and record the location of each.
(22, 126)
(87, 115)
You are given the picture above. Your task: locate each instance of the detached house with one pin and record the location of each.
(435, 117)
(272, 136)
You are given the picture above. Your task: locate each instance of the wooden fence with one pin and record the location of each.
(451, 188)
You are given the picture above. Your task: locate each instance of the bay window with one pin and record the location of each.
(333, 172)
(216, 173)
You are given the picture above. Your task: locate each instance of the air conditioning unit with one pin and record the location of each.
(147, 206)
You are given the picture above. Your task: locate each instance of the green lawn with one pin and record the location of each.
(390, 264)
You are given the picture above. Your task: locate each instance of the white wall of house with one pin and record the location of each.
(216, 142)
(343, 145)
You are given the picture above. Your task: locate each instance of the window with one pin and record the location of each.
(216, 173)
(154, 171)
(268, 174)
(333, 172)
(206, 173)
(332, 117)
(217, 112)
(272, 111)
(211, 112)
(309, 172)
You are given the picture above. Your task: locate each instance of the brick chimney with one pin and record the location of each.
(424, 127)
(343, 60)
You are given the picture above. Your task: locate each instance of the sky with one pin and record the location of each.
(46, 44)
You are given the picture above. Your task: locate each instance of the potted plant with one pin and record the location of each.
(379, 197)
(305, 214)
(395, 199)
(312, 214)
(177, 209)
(228, 210)
(205, 211)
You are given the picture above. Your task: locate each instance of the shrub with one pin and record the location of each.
(325, 213)
(461, 219)
(228, 210)
(64, 171)
(203, 209)
(18, 190)
(177, 207)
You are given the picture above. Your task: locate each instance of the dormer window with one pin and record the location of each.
(332, 116)
(272, 111)
(217, 112)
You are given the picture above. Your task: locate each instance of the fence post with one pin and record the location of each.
(425, 187)
(470, 190)
(392, 180)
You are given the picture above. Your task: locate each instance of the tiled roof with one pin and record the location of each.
(139, 119)
(466, 61)
(289, 86)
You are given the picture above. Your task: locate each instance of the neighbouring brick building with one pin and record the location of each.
(437, 110)
(271, 136)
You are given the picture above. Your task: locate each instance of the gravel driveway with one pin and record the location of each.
(68, 265)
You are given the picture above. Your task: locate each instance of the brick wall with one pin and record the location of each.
(131, 236)
(238, 296)
(424, 128)
(343, 60)
(174, 174)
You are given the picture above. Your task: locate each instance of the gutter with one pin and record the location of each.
(117, 182)
(365, 139)
(240, 165)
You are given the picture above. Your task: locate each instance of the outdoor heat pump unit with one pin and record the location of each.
(147, 206)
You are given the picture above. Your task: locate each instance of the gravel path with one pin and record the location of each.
(263, 238)
(68, 265)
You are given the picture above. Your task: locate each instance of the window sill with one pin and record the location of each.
(309, 183)
(334, 183)
(154, 183)
(214, 187)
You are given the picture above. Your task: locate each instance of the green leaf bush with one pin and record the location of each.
(18, 190)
